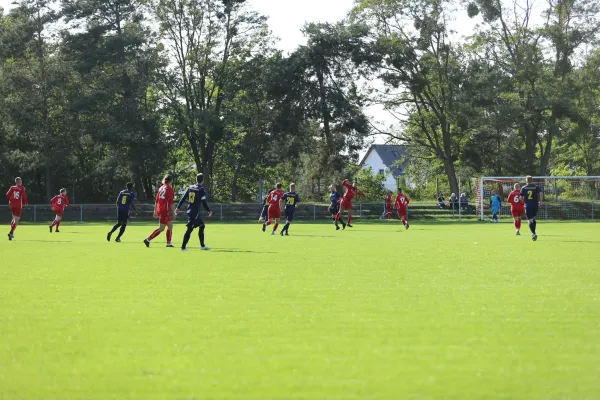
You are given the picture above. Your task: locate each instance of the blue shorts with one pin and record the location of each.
(333, 210)
(495, 210)
(531, 212)
(289, 214)
(123, 216)
(194, 222)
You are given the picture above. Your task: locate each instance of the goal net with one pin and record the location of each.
(565, 197)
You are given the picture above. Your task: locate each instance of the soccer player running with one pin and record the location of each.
(58, 204)
(17, 197)
(290, 200)
(164, 208)
(346, 203)
(275, 205)
(265, 208)
(495, 203)
(124, 201)
(516, 207)
(334, 207)
(532, 196)
(387, 212)
(194, 195)
(400, 204)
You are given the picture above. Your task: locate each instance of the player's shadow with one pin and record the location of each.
(214, 250)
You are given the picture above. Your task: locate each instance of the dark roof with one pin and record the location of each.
(389, 154)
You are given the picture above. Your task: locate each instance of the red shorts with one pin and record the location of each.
(164, 218)
(274, 212)
(516, 212)
(346, 204)
(58, 212)
(16, 211)
(401, 212)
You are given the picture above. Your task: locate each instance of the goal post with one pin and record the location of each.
(565, 197)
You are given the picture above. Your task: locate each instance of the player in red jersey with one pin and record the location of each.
(164, 211)
(16, 199)
(516, 207)
(275, 200)
(387, 213)
(400, 205)
(346, 202)
(58, 204)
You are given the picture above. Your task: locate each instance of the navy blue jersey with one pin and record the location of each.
(290, 199)
(334, 198)
(529, 193)
(126, 197)
(195, 195)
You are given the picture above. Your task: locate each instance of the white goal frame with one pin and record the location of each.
(481, 194)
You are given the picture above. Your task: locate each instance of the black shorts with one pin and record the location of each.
(531, 212)
(263, 213)
(195, 222)
(122, 216)
(334, 210)
(289, 214)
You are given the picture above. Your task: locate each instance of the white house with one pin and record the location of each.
(383, 159)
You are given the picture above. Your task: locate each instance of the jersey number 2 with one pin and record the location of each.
(530, 195)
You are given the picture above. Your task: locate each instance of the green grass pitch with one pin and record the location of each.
(441, 311)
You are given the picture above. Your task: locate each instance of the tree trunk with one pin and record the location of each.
(234, 185)
(325, 113)
(141, 193)
(451, 174)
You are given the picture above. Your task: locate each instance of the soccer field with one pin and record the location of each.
(445, 311)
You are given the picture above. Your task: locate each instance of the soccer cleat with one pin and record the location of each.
(518, 232)
(204, 248)
(281, 233)
(57, 231)
(147, 242)
(407, 226)
(337, 227)
(184, 249)
(170, 245)
(108, 237)
(10, 236)
(534, 237)
(349, 226)
(272, 232)
(50, 226)
(286, 233)
(264, 228)
(118, 240)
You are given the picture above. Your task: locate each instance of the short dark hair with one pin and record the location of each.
(129, 185)
(278, 186)
(200, 178)
(168, 179)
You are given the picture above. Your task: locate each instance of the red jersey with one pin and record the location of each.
(164, 199)
(16, 196)
(59, 202)
(274, 197)
(351, 192)
(388, 201)
(515, 200)
(401, 201)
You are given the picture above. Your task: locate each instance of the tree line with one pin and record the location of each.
(95, 93)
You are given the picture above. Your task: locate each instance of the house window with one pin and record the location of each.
(381, 172)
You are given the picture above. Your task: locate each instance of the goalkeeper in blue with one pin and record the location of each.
(194, 195)
(495, 203)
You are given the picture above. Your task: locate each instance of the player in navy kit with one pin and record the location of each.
(195, 195)
(290, 200)
(334, 207)
(532, 196)
(263, 212)
(124, 201)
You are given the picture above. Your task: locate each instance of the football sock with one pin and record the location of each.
(275, 226)
(13, 226)
(516, 224)
(54, 223)
(337, 216)
(154, 234)
(186, 237)
(532, 227)
(57, 224)
(349, 219)
(389, 216)
(404, 221)
(169, 236)
(201, 235)
(286, 226)
(122, 230)
(114, 228)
